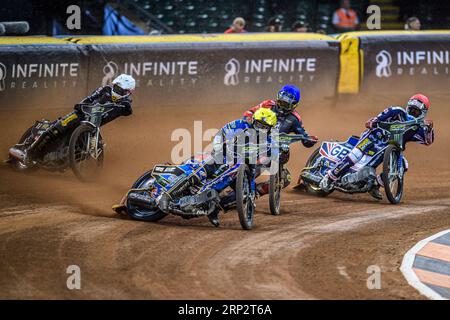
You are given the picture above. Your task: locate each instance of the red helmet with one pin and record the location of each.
(418, 105)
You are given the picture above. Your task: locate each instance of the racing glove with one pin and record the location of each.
(429, 132)
(428, 124)
(311, 142)
(284, 148)
(370, 124)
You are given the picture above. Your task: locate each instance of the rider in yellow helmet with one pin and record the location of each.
(263, 120)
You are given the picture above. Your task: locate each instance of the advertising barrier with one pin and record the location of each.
(170, 70)
(222, 69)
(220, 73)
(43, 76)
(395, 62)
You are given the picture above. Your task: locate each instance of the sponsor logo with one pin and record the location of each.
(384, 61)
(412, 63)
(269, 70)
(232, 68)
(2, 76)
(38, 75)
(66, 121)
(155, 73)
(110, 71)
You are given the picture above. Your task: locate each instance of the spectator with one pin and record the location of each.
(274, 25)
(412, 23)
(345, 18)
(237, 26)
(300, 26)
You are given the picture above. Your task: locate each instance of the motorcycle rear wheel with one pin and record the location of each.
(244, 197)
(311, 188)
(79, 155)
(390, 169)
(139, 213)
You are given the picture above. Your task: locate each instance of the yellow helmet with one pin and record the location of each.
(264, 118)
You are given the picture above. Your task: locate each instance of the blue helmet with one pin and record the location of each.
(288, 97)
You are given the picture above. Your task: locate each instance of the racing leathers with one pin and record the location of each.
(228, 145)
(373, 140)
(69, 122)
(288, 122)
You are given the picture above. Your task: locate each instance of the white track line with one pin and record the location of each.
(411, 276)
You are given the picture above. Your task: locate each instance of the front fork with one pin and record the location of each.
(400, 166)
(93, 143)
(252, 183)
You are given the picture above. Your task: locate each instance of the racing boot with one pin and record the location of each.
(326, 184)
(214, 218)
(120, 209)
(286, 176)
(375, 191)
(18, 152)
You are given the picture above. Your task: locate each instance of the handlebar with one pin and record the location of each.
(398, 125)
(108, 105)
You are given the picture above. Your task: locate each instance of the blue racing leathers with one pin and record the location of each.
(373, 139)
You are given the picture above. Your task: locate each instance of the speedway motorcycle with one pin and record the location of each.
(361, 177)
(81, 149)
(184, 189)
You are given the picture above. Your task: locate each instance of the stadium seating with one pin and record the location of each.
(205, 16)
(201, 16)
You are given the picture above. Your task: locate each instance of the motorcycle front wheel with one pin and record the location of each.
(84, 165)
(245, 197)
(392, 176)
(275, 186)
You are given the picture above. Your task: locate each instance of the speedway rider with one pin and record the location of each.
(261, 121)
(289, 121)
(117, 92)
(373, 140)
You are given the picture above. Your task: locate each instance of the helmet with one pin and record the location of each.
(264, 119)
(123, 86)
(418, 105)
(288, 97)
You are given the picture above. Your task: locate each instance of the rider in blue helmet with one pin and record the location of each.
(288, 98)
(289, 121)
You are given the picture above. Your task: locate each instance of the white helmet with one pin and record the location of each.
(123, 85)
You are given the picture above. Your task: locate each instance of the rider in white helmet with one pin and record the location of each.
(118, 92)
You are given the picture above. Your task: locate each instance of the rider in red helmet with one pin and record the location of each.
(418, 105)
(373, 140)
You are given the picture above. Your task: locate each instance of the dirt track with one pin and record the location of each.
(317, 248)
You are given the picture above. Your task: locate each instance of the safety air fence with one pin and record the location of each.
(221, 69)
